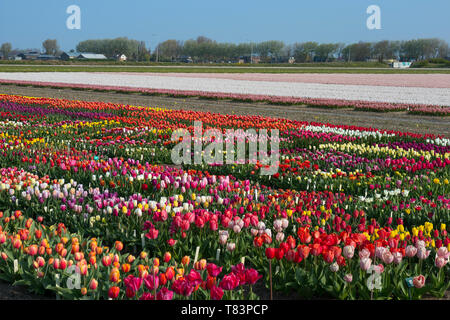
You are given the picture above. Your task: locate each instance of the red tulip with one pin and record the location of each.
(213, 270)
(229, 282)
(251, 276)
(216, 293)
(270, 253)
(303, 252)
(113, 292)
(279, 253)
(328, 256)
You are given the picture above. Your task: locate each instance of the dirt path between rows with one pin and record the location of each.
(391, 121)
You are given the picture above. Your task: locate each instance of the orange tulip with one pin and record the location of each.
(93, 284)
(142, 271)
(106, 261)
(17, 243)
(40, 261)
(38, 234)
(83, 269)
(44, 243)
(59, 247)
(170, 273)
(41, 250)
(33, 250)
(63, 264)
(113, 292)
(75, 248)
(29, 223)
(63, 252)
(114, 276)
(185, 260)
(130, 258)
(79, 256)
(163, 279)
(167, 257)
(126, 268)
(118, 245)
(56, 263)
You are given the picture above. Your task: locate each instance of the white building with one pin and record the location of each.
(91, 56)
(122, 57)
(400, 65)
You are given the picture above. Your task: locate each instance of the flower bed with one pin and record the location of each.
(92, 208)
(360, 105)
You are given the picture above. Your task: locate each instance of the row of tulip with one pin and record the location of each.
(378, 106)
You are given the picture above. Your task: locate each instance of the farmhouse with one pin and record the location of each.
(121, 57)
(69, 55)
(47, 57)
(249, 59)
(30, 55)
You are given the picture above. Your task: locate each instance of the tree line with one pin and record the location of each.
(203, 49)
(133, 49)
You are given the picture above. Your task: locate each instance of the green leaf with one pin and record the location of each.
(22, 283)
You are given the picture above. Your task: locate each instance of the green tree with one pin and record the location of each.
(324, 51)
(5, 49)
(170, 49)
(304, 52)
(51, 46)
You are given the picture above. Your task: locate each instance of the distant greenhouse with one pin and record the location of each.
(92, 56)
(82, 55)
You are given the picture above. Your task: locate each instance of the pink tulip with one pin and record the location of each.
(348, 252)
(410, 251)
(364, 253)
(348, 278)
(365, 263)
(387, 257)
(419, 281)
(423, 253)
(443, 252)
(440, 262)
(398, 257)
(379, 251)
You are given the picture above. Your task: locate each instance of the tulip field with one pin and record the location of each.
(422, 94)
(92, 207)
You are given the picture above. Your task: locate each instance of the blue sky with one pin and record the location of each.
(27, 23)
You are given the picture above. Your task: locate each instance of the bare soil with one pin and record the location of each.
(10, 292)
